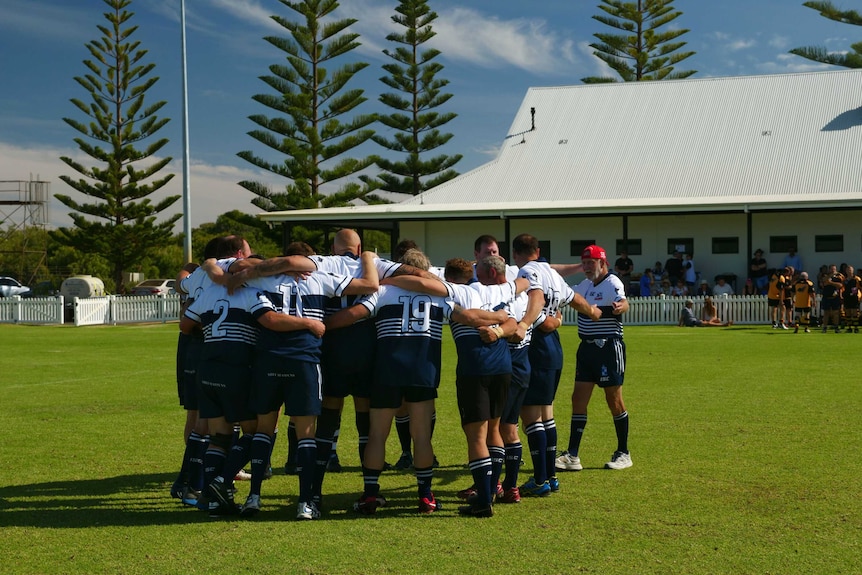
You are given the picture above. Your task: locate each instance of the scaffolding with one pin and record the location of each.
(23, 205)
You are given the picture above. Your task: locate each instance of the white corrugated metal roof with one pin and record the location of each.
(696, 144)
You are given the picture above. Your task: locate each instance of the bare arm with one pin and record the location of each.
(591, 311)
(346, 317)
(245, 270)
(534, 309)
(405, 269)
(189, 326)
(490, 334)
(478, 317)
(551, 323)
(567, 269)
(427, 285)
(369, 282)
(185, 272)
(216, 274)
(275, 321)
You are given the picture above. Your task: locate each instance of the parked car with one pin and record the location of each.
(154, 287)
(11, 287)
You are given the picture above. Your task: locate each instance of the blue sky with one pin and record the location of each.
(492, 50)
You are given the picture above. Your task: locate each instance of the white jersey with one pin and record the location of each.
(541, 276)
(196, 281)
(609, 290)
(349, 265)
(511, 273)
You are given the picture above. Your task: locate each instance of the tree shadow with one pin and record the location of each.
(844, 121)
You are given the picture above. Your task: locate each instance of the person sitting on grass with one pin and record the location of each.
(687, 318)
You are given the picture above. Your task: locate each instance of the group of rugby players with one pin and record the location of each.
(262, 335)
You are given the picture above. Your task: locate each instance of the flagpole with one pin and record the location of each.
(187, 200)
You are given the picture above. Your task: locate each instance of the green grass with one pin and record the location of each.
(744, 443)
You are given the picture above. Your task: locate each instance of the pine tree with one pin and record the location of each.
(414, 123)
(311, 101)
(642, 52)
(851, 59)
(125, 229)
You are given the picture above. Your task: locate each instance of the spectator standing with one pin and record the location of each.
(647, 283)
(689, 273)
(624, 267)
(792, 260)
(658, 271)
(758, 273)
(673, 268)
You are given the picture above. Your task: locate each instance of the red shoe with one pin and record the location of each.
(511, 495)
(467, 493)
(368, 504)
(428, 505)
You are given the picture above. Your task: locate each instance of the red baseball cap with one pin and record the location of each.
(594, 252)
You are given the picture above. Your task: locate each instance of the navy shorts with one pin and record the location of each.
(392, 396)
(283, 381)
(338, 383)
(224, 391)
(543, 386)
(482, 397)
(604, 365)
(189, 390)
(514, 401)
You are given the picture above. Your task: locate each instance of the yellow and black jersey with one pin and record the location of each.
(777, 282)
(803, 293)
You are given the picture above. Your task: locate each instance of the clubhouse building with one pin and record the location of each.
(715, 167)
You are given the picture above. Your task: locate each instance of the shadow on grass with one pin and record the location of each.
(127, 500)
(133, 500)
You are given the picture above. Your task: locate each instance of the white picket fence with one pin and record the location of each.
(43, 310)
(112, 310)
(108, 310)
(662, 310)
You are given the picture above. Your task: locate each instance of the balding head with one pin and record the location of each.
(346, 240)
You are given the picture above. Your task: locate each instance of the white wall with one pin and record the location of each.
(442, 240)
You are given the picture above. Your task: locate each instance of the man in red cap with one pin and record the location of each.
(601, 359)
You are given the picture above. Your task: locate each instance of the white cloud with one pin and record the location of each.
(741, 44)
(473, 37)
(779, 42)
(214, 189)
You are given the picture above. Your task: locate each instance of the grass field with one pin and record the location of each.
(743, 440)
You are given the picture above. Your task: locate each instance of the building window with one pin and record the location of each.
(833, 243)
(576, 247)
(545, 250)
(681, 245)
(725, 245)
(782, 244)
(633, 247)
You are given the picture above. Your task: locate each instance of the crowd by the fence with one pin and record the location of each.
(785, 295)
